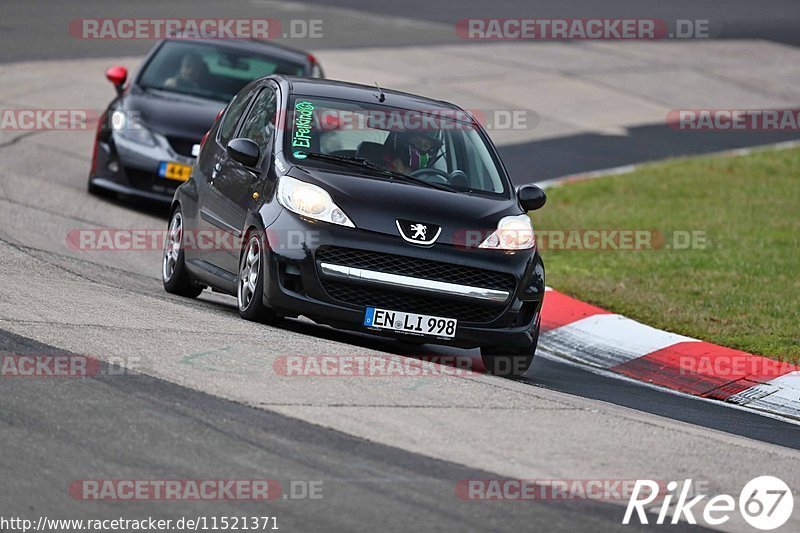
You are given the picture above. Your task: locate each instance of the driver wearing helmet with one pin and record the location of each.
(413, 151)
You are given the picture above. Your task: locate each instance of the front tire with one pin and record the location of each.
(509, 362)
(250, 282)
(173, 268)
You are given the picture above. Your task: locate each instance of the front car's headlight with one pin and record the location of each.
(512, 233)
(310, 201)
(128, 127)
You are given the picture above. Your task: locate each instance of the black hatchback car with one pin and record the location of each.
(148, 137)
(368, 210)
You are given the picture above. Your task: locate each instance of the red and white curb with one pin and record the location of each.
(593, 338)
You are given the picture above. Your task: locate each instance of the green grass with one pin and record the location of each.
(741, 291)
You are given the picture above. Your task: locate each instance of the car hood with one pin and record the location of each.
(170, 114)
(375, 204)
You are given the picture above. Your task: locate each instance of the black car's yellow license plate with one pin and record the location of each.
(174, 171)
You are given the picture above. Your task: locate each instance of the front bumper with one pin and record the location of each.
(129, 168)
(330, 274)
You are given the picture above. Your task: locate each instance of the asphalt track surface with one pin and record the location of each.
(358, 23)
(173, 432)
(384, 23)
(171, 421)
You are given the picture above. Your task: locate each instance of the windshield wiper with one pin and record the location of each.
(363, 163)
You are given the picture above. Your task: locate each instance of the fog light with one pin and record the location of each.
(338, 217)
(113, 166)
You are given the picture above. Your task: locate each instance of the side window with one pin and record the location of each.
(231, 118)
(259, 126)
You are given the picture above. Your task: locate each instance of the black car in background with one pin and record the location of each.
(149, 135)
(368, 210)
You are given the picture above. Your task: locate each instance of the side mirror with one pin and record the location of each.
(531, 197)
(117, 76)
(244, 151)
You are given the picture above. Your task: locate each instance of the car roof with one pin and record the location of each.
(258, 46)
(326, 88)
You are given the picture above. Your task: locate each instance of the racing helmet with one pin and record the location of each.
(417, 150)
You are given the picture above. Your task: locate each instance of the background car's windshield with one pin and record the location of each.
(215, 72)
(437, 145)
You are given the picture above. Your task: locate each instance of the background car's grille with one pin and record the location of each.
(418, 268)
(363, 296)
(396, 301)
(142, 179)
(182, 145)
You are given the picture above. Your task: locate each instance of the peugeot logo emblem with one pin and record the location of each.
(418, 232)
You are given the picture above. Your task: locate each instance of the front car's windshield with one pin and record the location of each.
(207, 70)
(440, 146)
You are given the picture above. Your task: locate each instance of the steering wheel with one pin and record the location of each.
(431, 170)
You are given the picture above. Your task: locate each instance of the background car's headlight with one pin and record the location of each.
(512, 233)
(310, 201)
(128, 127)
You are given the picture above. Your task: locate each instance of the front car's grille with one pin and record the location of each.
(396, 301)
(416, 268)
(361, 295)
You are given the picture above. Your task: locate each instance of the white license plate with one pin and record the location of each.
(411, 323)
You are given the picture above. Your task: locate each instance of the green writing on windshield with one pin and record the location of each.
(303, 113)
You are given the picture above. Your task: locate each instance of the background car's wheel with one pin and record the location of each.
(173, 269)
(250, 282)
(507, 362)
